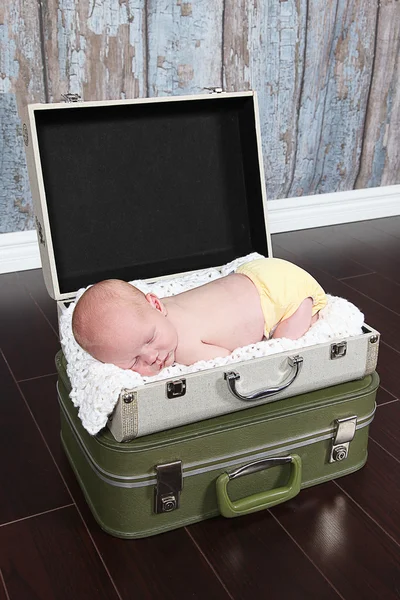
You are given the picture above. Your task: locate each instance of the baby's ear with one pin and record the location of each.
(156, 303)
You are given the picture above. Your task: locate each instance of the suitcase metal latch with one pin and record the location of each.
(168, 487)
(345, 431)
(177, 388)
(338, 350)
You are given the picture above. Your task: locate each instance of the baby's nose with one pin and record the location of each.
(152, 356)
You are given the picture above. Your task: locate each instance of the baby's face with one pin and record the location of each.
(148, 343)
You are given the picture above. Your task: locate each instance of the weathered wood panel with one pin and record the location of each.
(327, 74)
(95, 48)
(264, 50)
(20, 73)
(380, 161)
(185, 46)
(337, 76)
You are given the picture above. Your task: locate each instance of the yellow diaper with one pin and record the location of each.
(282, 287)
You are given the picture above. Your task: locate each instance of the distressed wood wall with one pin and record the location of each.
(327, 74)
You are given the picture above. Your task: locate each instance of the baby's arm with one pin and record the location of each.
(204, 351)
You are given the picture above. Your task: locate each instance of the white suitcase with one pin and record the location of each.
(150, 188)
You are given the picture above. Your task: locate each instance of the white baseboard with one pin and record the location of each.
(304, 212)
(19, 251)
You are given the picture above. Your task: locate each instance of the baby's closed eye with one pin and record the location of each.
(151, 340)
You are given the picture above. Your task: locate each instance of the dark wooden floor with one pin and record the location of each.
(337, 540)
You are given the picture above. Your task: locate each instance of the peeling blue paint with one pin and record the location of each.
(184, 41)
(9, 67)
(16, 213)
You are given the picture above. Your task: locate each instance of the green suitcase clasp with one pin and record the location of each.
(261, 500)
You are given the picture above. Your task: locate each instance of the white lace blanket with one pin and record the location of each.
(96, 386)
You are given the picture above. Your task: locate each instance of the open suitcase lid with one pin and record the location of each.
(145, 188)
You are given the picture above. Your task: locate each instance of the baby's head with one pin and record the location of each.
(116, 323)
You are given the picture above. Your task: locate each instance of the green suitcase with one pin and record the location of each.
(232, 465)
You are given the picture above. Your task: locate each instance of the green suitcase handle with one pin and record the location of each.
(261, 500)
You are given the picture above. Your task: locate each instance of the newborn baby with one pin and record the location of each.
(269, 297)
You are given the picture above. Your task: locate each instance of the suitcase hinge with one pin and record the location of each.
(39, 230)
(168, 487)
(214, 89)
(70, 97)
(345, 431)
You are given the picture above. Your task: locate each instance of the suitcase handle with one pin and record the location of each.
(262, 500)
(295, 362)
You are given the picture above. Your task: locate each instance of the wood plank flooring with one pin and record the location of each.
(337, 540)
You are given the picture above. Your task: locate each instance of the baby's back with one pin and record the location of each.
(225, 312)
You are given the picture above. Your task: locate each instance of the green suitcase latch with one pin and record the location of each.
(168, 487)
(345, 431)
